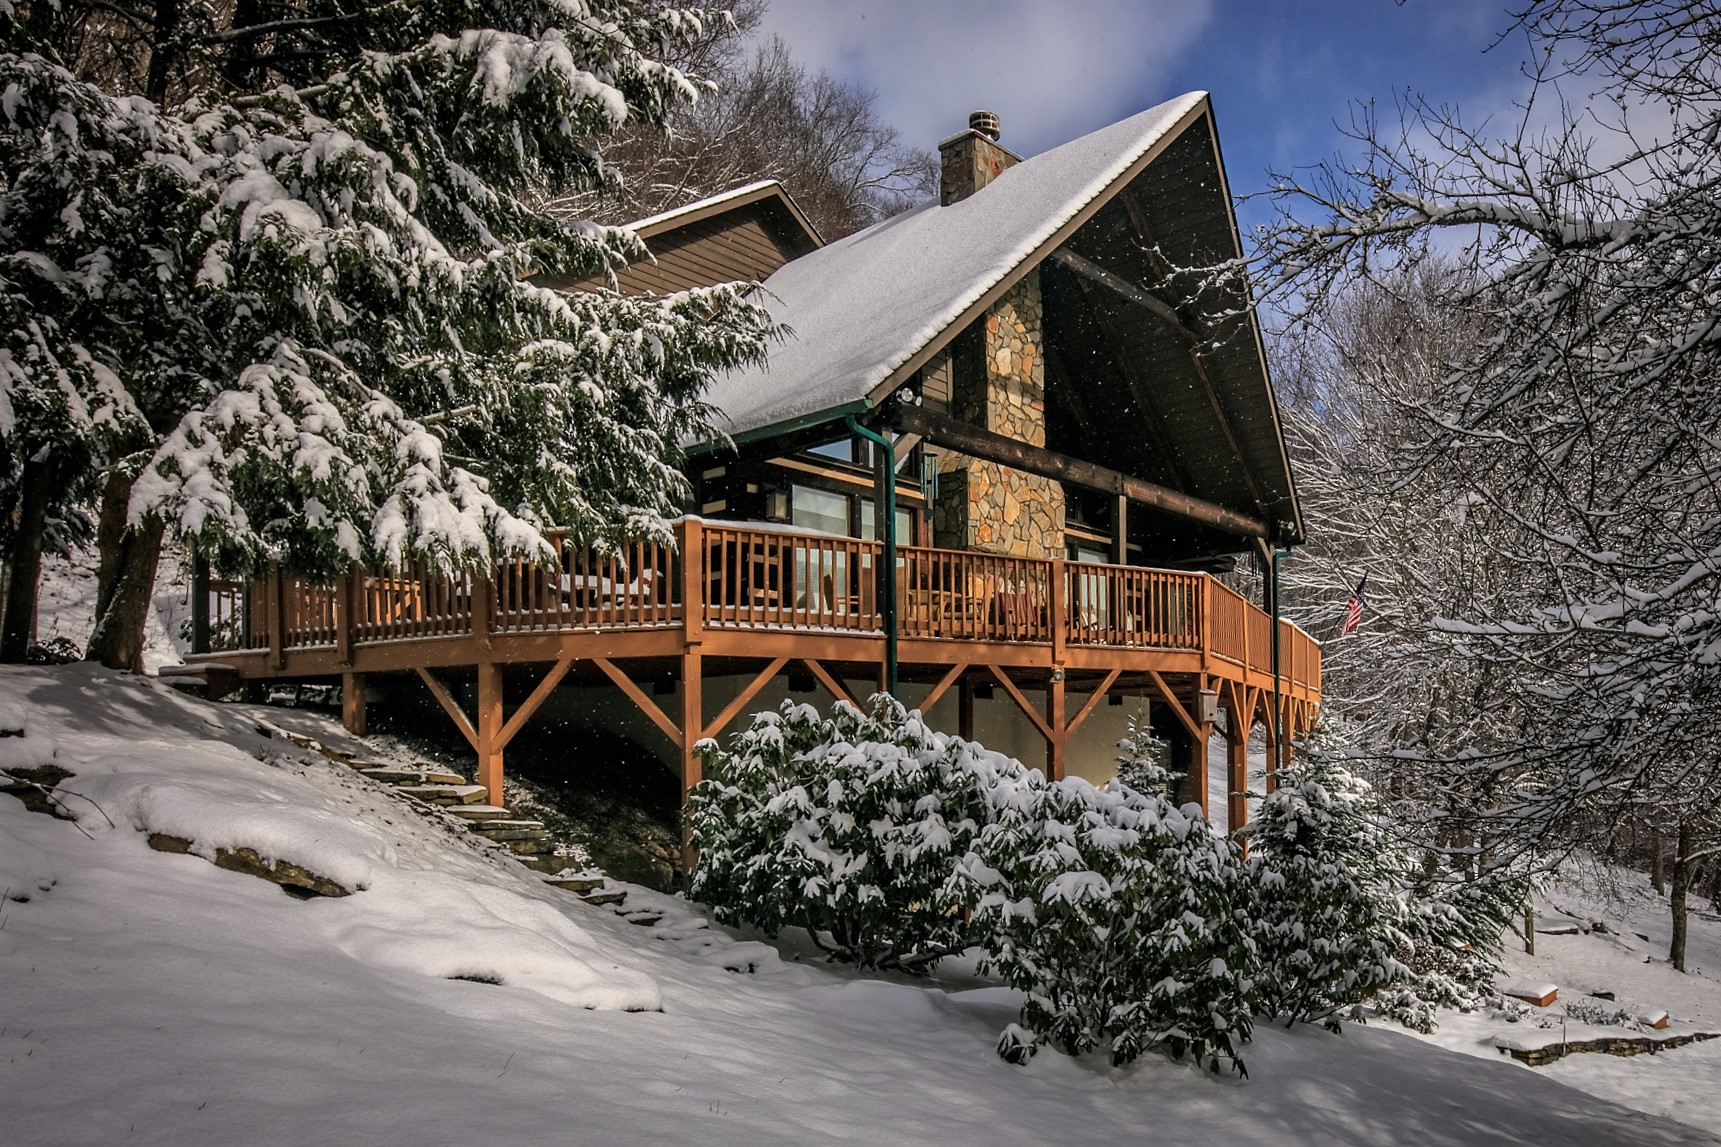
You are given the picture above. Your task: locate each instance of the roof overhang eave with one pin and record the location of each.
(781, 427)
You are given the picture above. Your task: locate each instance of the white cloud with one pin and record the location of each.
(1051, 70)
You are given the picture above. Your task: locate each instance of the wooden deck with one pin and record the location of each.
(731, 599)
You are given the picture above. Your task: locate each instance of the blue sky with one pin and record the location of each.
(1280, 73)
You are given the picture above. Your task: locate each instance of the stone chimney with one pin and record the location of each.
(971, 159)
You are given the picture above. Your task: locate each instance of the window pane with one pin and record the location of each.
(815, 509)
(905, 527)
(842, 450)
(868, 519)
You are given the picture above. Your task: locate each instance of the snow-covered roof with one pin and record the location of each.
(862, 307)
(761, 190)
(700, 206)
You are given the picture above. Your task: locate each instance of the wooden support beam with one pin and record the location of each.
(346, 614)
(1236, 769)
(490, 729)
(692, 718)
(440, 692)
(1159, 308)
(902, 448)
(1158, 433)
(353, 703)
(1022, 702)
(743, 697)
(275, 600)
(984, 444)
(831, 684)
(1193, 336)
(199, 602)
(646, 704)
(944, 684)
(1092, 703)
(1189, 722)
(539, 695)
(1058, 736)
(1195, 781)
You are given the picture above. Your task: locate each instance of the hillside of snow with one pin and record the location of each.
(1603, 930)
(147, 997)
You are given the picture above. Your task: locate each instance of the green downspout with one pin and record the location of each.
(1278, 708)
(888, 573)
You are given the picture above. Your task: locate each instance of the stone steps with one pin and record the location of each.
(576, 883)
(479, 812)
(448, 794)
(396, 775)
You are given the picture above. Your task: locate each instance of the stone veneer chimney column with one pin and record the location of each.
(971, 159)
(998, 382)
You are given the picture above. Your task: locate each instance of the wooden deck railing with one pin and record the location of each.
(750, 578)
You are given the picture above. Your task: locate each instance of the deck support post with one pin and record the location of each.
(692, 729)
(353, 703)
(965, 709)
(1195, 783)
(199, 602)
(1056, 738)
(1238, 718)
(489, 728)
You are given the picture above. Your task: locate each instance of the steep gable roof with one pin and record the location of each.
(867, 310)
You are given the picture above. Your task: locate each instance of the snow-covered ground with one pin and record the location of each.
(154, 998)
(67, 606)
(1685, 1083)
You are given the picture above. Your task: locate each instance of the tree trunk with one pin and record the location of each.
(125, 578)
(1682, 872)
(1715, 884)
(1657, 863)
(24, 558)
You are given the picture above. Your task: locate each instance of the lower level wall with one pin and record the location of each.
(998, 723)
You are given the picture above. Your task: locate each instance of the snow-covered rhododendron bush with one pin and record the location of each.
(1117, 914)
(271, 285)
(849, 826)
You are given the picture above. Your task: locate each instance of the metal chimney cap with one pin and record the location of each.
(984, 122)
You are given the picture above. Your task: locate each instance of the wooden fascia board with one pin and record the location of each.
(1034, 258)
(1255, 327)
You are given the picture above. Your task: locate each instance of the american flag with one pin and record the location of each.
(1353, 611)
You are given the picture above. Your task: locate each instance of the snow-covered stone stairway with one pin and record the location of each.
(527, 841)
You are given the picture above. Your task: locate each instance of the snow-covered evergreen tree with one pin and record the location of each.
(849, 826)
(296, 310)
(1116, 913)
(1328, 909)
(1141, 761)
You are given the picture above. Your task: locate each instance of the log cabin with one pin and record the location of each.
(996, 469)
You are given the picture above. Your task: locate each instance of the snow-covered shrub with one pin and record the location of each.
(1142, 761)
(849, 826)
(1329, 911)
(1115, 912)
(1453, 931)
